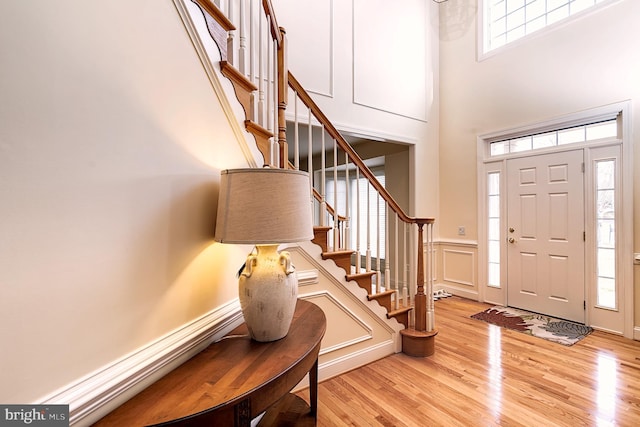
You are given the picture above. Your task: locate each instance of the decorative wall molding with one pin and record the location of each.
(320, 62)
(456, 242)
(99, 392)
(451, 267)
(368, 332)
(369, 53)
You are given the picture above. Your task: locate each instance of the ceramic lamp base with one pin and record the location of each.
(268, 292)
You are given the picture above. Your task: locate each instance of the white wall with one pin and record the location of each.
(372, 67)
(111, 143)
(587, 63)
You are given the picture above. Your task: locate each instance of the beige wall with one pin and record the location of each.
(111, 143)
(587, 63)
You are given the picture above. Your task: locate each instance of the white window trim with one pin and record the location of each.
(486, 164)
(482, 19)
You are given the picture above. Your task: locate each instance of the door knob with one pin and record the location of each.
(511, 240)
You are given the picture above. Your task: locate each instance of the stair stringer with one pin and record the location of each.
(210, 57)
(358, 330)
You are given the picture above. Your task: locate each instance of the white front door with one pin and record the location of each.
(545, 231)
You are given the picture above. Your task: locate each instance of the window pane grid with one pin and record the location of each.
(509, 20)
(606, 233)
(493, 229)
(574, 135)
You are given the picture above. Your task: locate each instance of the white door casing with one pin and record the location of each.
(545, 234)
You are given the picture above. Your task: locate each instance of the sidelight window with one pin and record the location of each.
(606, 233)
(493, 228)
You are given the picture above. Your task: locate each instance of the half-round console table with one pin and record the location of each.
(233, 380)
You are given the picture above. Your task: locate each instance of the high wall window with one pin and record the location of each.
(508, 20)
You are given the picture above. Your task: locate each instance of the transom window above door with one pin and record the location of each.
(572, 135)
(508, 20)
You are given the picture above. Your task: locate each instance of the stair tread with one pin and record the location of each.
(380, 295)
(359, 275)
(232, 73)
(333, 254)
(399, 311)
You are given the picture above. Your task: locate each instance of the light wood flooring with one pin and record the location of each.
(483, 375)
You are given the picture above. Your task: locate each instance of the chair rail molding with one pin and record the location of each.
(96, 394)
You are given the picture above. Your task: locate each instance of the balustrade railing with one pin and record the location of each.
(348, 197)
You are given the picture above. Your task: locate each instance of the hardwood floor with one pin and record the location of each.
(483, 375)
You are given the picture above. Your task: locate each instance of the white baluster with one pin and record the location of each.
(242, 49)
(296, 137)
(368, 257)
(336, 230)
(347, 226)
(260, 73)
(358, 221)
(406, 299)
(387, 270)
(396, 267)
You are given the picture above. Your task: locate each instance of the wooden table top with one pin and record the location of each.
(207, 387)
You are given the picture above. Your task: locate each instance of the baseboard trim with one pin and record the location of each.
(95, 395)
(465, 293)
(350, 361)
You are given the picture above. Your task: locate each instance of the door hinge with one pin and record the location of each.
(583, 167)
(584, 304)
(584, 236)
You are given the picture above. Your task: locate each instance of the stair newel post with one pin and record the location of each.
(420, 341)
(421, 297)
(283, 91)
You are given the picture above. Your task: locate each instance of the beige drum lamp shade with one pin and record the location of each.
(264, 206)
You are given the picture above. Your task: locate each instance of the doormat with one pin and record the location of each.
(541, 326)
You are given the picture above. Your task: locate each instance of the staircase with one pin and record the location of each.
(253, 57)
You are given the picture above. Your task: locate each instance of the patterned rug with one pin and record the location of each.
(538, 325)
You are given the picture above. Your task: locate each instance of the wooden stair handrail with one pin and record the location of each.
(355, 158)
(267, 6)
(330, 209)
(213, 10)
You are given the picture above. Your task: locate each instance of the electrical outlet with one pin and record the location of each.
(461, 231)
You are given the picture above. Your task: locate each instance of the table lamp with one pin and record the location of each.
(265, 207)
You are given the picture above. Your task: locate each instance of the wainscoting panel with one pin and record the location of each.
(358, 331)
(456, 267)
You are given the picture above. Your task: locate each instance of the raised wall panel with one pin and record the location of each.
(310, 42)
(392, 47)
(344, 327)
(459, 267)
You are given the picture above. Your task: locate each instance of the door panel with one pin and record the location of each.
(545, 256)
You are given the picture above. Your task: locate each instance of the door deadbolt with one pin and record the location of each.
(511, 229)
